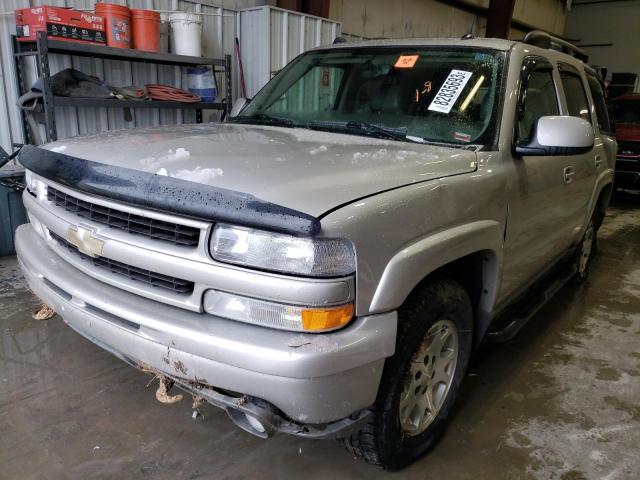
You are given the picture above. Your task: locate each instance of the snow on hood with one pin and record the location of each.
(306, 170)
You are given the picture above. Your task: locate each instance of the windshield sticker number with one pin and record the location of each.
(406, 61)
(450, 91)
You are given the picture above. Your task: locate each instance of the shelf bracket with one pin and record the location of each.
(47, 98)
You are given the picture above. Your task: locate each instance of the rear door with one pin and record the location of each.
(579, 171)
(605, 141)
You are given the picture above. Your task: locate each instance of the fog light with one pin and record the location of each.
(276, 315)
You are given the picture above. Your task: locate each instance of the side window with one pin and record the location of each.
(574, 92)
(539, 100)
(602, 113)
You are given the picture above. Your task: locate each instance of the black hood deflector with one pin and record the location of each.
(166, 194)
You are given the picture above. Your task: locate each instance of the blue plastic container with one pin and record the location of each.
(200, 80)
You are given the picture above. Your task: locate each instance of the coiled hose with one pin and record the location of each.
(167, 93)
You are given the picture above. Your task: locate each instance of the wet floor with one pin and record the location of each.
(561, 400)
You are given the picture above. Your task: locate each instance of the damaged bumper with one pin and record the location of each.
(310, 385)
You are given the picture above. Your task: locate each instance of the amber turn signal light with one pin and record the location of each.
(326, 319)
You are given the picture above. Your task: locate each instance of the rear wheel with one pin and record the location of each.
(420, 382)
(585, 252)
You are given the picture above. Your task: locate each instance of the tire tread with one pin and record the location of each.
(365, 443)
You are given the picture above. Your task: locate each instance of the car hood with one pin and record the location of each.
(305, 170)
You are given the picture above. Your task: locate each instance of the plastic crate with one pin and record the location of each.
(12, 212)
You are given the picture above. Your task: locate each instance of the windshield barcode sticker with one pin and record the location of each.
(450, 91)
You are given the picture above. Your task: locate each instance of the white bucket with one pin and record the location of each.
(186, 34)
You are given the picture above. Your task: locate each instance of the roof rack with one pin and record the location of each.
(542, 39)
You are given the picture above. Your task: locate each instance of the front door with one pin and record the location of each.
(537, 227)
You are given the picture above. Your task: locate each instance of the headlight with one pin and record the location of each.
(34, 185)
(320, 257)
(276, 315)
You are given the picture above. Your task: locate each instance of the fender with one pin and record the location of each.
(605, 178)
(415, 261)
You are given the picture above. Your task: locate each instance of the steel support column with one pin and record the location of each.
(499, 18)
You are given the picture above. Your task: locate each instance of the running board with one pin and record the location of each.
(514, 318)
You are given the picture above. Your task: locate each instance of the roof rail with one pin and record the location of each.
(542, 39)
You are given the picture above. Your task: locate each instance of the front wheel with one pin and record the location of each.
(421, 381)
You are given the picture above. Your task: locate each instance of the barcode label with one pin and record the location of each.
(450, 91)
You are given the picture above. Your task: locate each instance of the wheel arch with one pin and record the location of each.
(602, 203)
(469, 254)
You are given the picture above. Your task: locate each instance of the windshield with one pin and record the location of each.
(432, 94)
(626, 111)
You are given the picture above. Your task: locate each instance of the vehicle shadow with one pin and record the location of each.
(625, 199)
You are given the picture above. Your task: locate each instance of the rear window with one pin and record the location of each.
(575, 94)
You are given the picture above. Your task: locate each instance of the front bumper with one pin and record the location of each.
(311, 379)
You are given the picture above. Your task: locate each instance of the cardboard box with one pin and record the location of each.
(61, 24)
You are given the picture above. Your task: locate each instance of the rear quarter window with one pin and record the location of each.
(600, 104)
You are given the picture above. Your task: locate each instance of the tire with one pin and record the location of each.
(385, 440)
(585, 252)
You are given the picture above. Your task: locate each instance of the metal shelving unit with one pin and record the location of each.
(44, 46)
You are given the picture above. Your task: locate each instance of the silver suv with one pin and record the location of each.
(325, 262)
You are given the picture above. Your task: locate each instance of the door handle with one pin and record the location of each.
(598, 161)
(569, 172)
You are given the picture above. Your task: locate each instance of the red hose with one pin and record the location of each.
(165, 92)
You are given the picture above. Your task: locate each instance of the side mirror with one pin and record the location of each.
(557, 135)
(238, 105)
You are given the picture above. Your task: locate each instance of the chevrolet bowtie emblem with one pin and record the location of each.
(84, 240)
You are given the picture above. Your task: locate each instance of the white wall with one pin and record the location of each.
(431, 18)
(614, 22)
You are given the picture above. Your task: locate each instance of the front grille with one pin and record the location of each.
(626, 147)
(158, 280)
(135, 224)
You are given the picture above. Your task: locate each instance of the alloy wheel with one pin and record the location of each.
(585, 250)
(429, 379)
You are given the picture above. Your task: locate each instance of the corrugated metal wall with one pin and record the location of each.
(288, 34)
(283, 36)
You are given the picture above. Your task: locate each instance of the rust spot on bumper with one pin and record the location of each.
(179, 366)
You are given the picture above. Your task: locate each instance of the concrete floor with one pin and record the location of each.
(560, 401)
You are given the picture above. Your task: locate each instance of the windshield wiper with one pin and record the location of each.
(263, 119)
(399, 134)
(379, 131)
